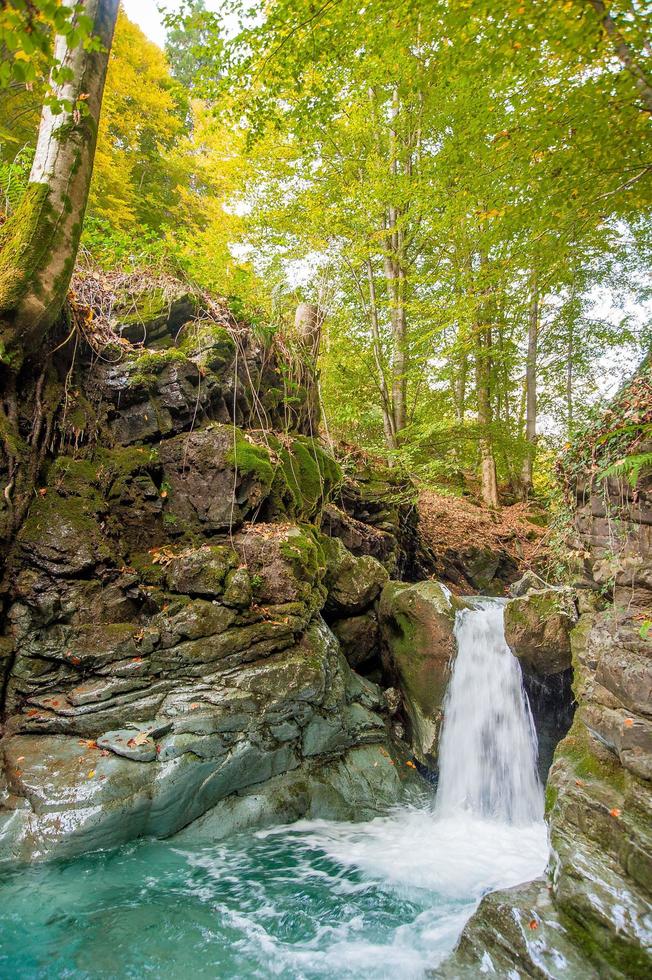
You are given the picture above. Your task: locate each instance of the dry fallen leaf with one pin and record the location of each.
(138, 739)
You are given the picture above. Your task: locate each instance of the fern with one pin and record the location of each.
(14, 175)
(629, 467)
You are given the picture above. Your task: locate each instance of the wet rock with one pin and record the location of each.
(516, 932)
(186, 740)
(358, 785)
(416, 623)
(538, 627)
(130, 744)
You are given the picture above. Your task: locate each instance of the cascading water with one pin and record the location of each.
(317, 899)
(488, 748)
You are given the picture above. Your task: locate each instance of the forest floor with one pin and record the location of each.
(453, 523)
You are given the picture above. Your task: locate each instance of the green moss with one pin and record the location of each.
(151, 363)
(208, 341)
(26, 242)
(75, 477)
(251, 460)
(148, 571)
(303, 551)
(305, 478)
(145, 307)
(588, 761)
(311, 475)
(53, 516)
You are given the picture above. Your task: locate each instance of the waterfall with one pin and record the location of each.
(488, 748)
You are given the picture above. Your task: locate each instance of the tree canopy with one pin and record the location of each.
(463, 189)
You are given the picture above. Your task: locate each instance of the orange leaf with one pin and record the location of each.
(615, 812)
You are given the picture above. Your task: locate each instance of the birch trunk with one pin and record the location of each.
(40, 240)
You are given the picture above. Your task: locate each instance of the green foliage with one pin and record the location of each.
(27, 28)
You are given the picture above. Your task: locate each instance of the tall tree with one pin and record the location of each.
(39, 241)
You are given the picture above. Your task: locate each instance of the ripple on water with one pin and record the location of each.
(314, 900)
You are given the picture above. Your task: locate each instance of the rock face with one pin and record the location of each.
(416, 623)
(593, 915)
(538, 626)
(163, 650)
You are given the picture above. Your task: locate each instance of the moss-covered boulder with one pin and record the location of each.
(209, 486)
(64, 534)
(200, 571)
(154, 314)
(285, 564)
(538, 627)
(353, 583)
(417, 623)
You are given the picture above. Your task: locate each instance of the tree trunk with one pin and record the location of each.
(531, 391)
(460, 386)
(485, 417)
(40, 240)
(388, 417)
(308, 322)
(396, 288)
(624, 53)
(569, 382)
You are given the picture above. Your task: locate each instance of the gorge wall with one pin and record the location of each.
(591, 916)
(164, 648)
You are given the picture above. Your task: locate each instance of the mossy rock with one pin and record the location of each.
(417, 629)
(538, 627)
(201, 571)
(208, 343)
(353, 583)
(63, 534)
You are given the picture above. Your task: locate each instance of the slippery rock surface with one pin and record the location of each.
(163, 651)
(416, 623)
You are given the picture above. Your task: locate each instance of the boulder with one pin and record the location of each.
(352, 583)
(359, 638)
(417, 630)
(208, 488)
(213, 730)
(538, 627)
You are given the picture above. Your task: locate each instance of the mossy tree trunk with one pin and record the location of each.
(39, 241)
